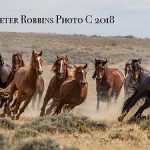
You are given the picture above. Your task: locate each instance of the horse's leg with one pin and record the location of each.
(7, 103)
(117, 94)
(98, 100)
(40, 97)
(46, 100)
(59, 107)
(20, 98)
(34, 100)
(141, 109)
(27, 101)
(52, 106)
(130, 102)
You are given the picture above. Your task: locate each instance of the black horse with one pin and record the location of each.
(142, 92)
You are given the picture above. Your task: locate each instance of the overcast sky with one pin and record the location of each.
(132, 17)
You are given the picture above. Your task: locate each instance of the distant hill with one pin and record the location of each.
(79, 48)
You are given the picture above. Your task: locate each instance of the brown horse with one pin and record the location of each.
(60, 68)
(25, 81)
(109, 82)
(17, 62)
(74, 90)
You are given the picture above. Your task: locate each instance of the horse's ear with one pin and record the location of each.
(140, 60)
(40, 54)
(75, 66)
(96, 61)
(57, 57)
(105, 62)
(21, 53)
(85, 66)
(66, 58)
(33, 53)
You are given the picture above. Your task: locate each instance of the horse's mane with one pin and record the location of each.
(23, 64)
(1, 60)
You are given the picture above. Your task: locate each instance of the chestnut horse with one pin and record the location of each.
(25, 81)
(109, 82)
(74, 90)
(60, 68)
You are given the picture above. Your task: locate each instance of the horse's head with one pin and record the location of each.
(36, 62)
(136, 69)
(80, 74)
(17, 61)
(128, 69)
(1, 60)
(60, 66)
(100, 66)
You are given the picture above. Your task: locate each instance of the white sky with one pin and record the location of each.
(131, 16)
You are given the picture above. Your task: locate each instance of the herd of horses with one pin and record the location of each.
(20, 84)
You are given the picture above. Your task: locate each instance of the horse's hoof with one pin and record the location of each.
(42, 114)
(120, 118)
(17, 117)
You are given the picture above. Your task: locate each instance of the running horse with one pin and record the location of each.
(5, 72)
(17, 62)
(109, 82)
(73, 91)
(25, 82)
(60, 70)
(139, 76)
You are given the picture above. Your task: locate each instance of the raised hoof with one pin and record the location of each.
(120, 118)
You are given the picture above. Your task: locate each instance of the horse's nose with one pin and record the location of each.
(60, 75)
(83, 83)
(39, 72)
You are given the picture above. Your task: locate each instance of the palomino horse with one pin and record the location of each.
(5, 71)
(74, 90)
(139, 76)
(60, 68)
(25, 81)
(109, 82)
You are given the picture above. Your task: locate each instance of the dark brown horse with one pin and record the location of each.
(109, 82)
(73, 91)
(142, 92)
(60, 68)
(5, 72)
(140, 76)
(25, 81)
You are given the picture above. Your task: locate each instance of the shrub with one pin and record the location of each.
(122, 135)
(43, 143)
(144, 123)
(7, 123)
(25, 132)
(64, 123)
(71, 148)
